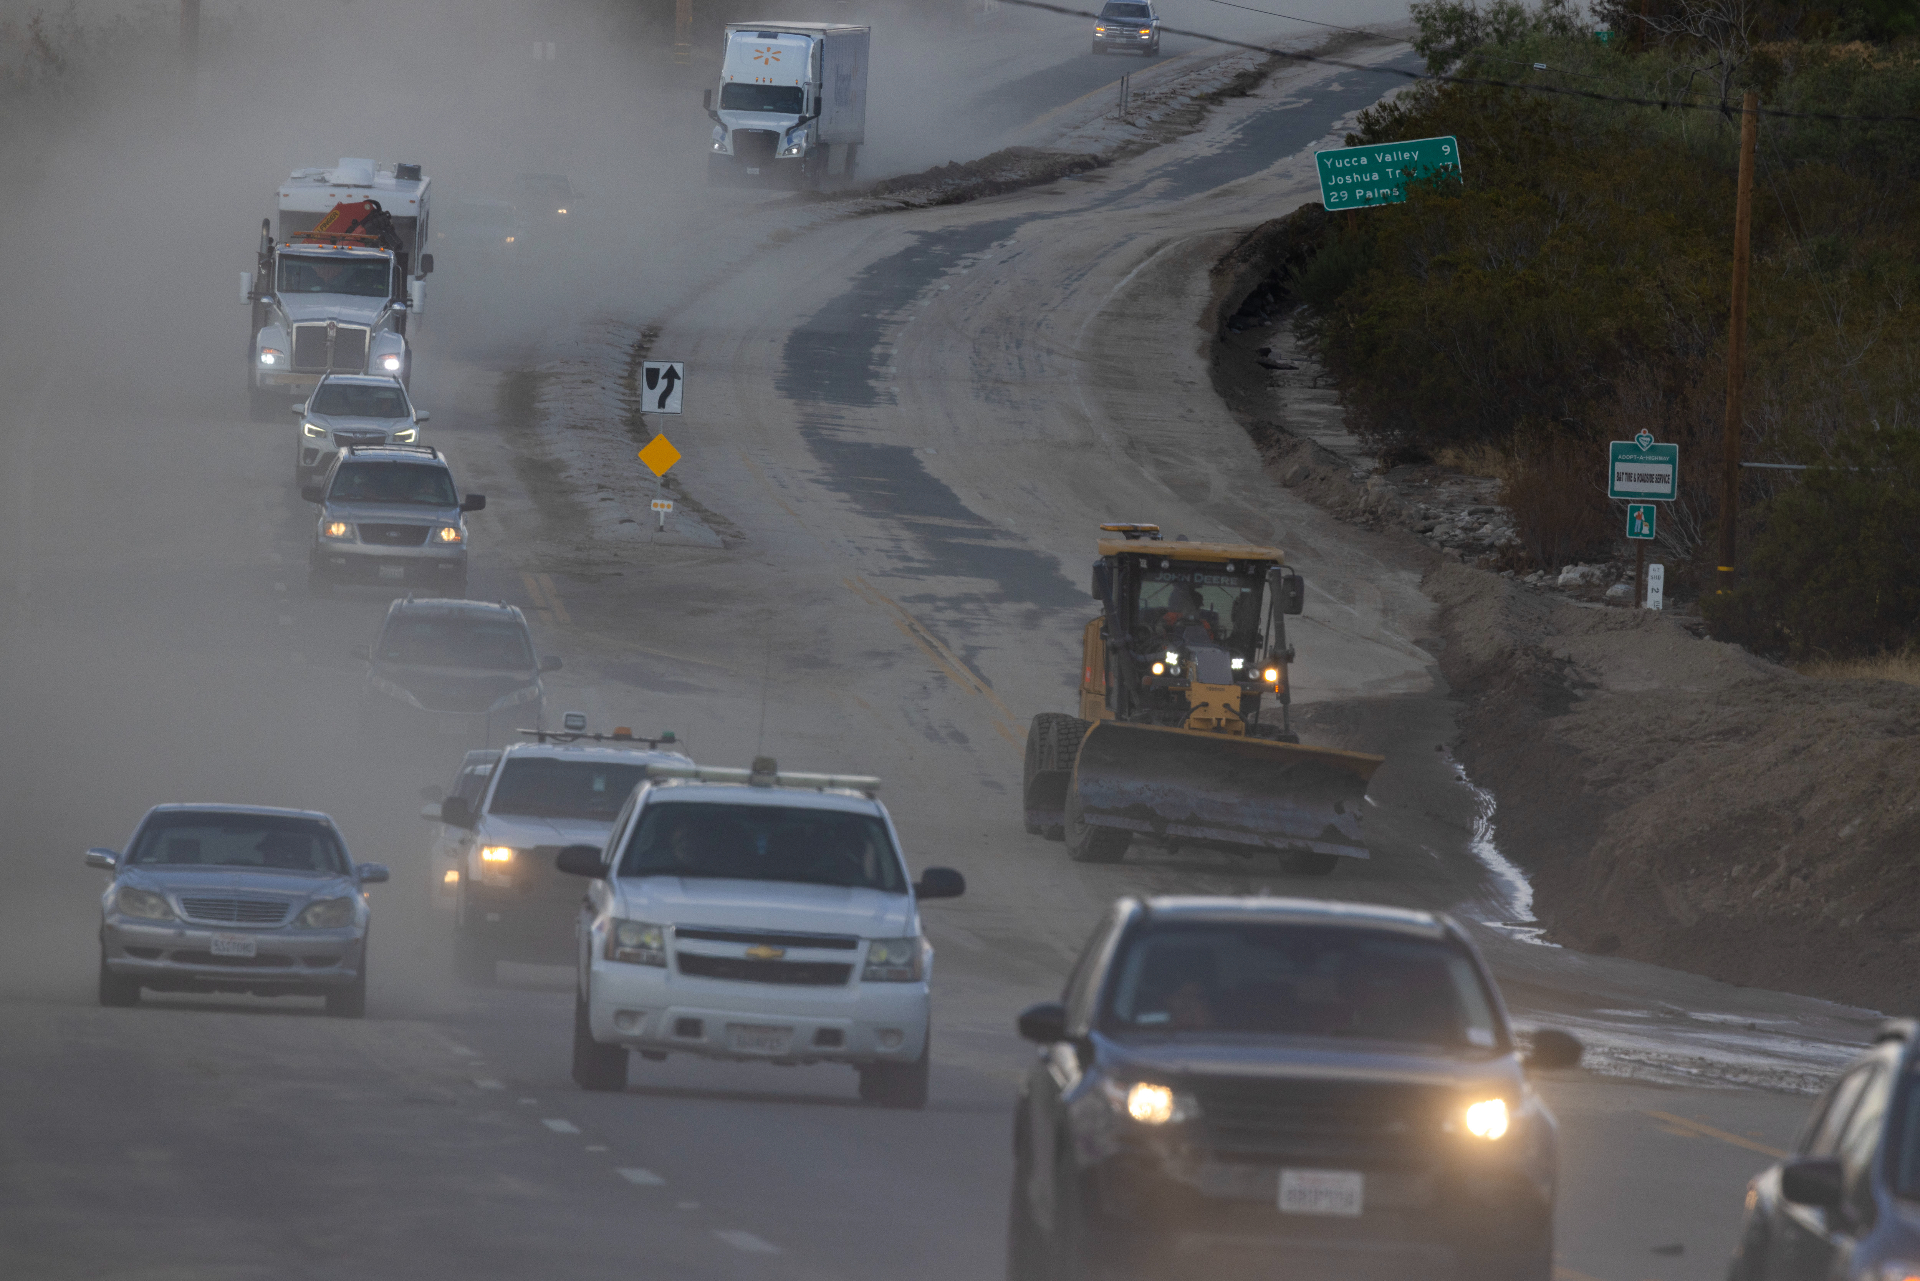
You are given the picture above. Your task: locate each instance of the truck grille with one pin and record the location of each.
(234, 962)
(786, 973)
(394, 535)
(310, 349)
(359, 437)
(1344, 1124)
(713, 934)
(235, 911)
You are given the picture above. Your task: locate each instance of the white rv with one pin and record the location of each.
(791, 109)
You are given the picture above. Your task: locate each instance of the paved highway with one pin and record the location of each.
(901, 433)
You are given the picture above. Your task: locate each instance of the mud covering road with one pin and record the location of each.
(901, 433)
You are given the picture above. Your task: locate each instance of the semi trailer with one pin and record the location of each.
(791, 106)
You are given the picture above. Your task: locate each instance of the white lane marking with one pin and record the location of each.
(596, 1147)
(488, 1083)
(463, 1050)
(745, 1241)
(529, 1100)
(645, 1178)
(559, 1126)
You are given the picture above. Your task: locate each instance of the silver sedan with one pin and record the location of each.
(235, 898)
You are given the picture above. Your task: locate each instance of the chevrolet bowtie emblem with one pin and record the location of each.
(761, 952)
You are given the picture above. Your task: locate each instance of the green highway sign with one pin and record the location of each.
(1640, 520)
(1361, 177)
(1644, 469)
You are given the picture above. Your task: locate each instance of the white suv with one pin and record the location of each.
(751, 914)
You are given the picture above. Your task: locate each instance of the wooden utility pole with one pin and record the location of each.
(1737, 342)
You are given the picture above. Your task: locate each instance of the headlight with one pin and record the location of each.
(336, 529)
(637, 943)
(449, 534)
(1238, 663)
(406, 435)
(720, 146)
(496, 854)
(1159, 669)
(793, 149)
(312, 431)
(1893, 1270)
(390, 363)
(560, 211)
(894, 961)
(1271, 676)
(525, 694)
(1099, 31)
(1487, 1119)
(271, 356)
(1173, 659)
(327, 914)
(142, 903)
(1149, 1102)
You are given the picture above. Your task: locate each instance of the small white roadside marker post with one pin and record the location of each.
(1656, 586)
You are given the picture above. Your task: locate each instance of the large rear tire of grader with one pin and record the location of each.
(1089, 844)
(1053, 740)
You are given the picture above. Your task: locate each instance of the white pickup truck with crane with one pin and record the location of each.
(332, 293)
(792, 104)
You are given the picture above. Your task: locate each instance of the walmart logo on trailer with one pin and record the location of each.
(1360, 177)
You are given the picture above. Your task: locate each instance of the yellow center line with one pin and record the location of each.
(553, 601)
(1700, 1129)
(944, 658)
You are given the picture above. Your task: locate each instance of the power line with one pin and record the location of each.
(1665, 104)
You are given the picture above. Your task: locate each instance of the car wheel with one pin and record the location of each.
(350, 1002)
(473, 960)
(1087, 843)
(117, 990)
(1053, 740)
(595, 1066)
(898, 1085)
(1308, 863)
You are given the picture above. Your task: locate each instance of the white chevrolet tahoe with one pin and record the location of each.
(751, 914)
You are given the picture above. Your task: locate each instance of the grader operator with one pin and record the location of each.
(1183, 733)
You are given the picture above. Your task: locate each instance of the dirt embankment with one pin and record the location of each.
(1680, 801)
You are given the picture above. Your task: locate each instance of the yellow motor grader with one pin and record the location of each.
(1183, 734)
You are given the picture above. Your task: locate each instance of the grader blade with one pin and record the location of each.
(1223, 790)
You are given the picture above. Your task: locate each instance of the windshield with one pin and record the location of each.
(362, 277)
(359, 400)
(456, 642)
(411, 483)
(1126, 13)
(186, 839)
(1293, 980)
(781, 100)
(763, 843)
(536, 787)
(1182, 595)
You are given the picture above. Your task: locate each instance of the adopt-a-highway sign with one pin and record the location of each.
(1643, 468)
(1361, 177)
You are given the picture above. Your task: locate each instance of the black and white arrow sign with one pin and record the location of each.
(663, 381)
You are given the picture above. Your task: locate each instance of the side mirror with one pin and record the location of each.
(372, 873)
(1045, 1023)
(1102, 579)
(939, 882)
(1553, 1049)
(549, 663)
(105, 860)
(312, 494)
(474, 503)
(246, 286)
(433, 792)
(361, 652)
(581, 860)
(1812, 1180)
(426, 264)
(431, 811)
(456, 812)
(297, 407)
(706, 100)
(421, 415)
(1295, 597)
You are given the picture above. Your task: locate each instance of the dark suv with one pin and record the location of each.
(1842, 1207)
(1127, 24)
(1228, 1083)
(463, 668)
(389, 513)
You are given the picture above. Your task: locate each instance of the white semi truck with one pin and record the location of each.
(332, 292)
(792, 104)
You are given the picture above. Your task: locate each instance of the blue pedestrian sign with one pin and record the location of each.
(1640, 520)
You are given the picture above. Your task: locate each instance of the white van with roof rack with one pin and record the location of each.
(754, 914)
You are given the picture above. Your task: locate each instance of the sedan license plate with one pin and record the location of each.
(393, 573)
(234, 945)
(1333, 1192)
(758, 1040)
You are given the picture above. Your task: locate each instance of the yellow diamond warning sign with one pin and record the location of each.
(659, 455)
